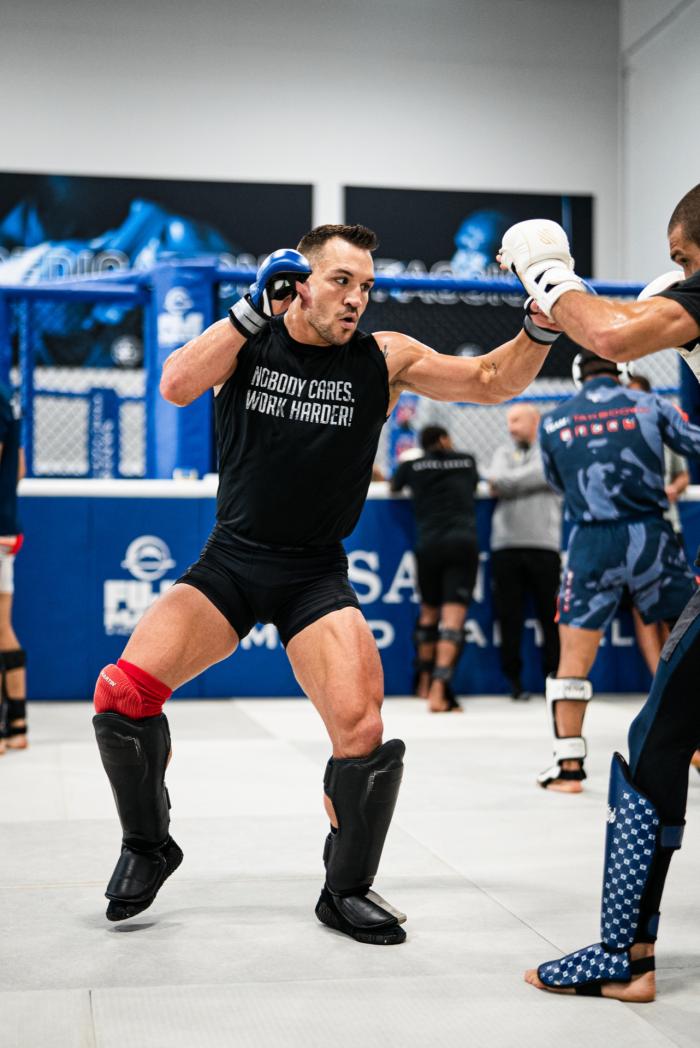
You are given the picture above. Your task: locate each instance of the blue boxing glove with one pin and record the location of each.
(275, 280)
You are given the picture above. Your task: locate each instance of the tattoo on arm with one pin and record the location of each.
(385, 351)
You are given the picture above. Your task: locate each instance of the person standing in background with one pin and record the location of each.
(13, 712)
(525, 545)
(443, 484)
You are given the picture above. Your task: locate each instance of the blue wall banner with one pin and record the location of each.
(98, 553)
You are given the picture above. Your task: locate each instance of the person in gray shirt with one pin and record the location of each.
(525, 545)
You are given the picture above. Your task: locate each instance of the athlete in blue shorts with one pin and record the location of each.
(647, 798)
(603, 450)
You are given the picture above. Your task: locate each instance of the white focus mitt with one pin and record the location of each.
(662, 283)
(655, 287)
(537, 251)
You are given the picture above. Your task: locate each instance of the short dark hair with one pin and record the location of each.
(598, 366)
(431, 436)
(687, 215)
(316, 238)
(641, 380)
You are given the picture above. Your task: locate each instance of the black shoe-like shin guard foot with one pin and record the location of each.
(137, 878)
(360, 918)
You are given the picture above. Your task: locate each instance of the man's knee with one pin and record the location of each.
(129, 690)
(360, 735)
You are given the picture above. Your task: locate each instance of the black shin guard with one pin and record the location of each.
(363, 791)
(135, 754)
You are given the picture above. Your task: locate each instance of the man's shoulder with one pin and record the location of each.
(691, 283)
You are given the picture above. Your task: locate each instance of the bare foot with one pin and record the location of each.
(566, 785)
(438, 701)
(640, 990)
(423, 686)
(17, 742)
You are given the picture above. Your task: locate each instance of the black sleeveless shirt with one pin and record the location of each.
(297, 433)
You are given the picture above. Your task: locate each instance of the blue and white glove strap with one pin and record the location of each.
(246, 319)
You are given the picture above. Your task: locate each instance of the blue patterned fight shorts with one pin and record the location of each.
(604, 559)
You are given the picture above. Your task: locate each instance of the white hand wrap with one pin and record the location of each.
(655, 287)
(537, 251)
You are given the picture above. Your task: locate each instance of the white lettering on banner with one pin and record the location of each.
(478, 594)
(125, 601)
(266, 636)
(616, 638)
(474, 634)
(384, 632)
(534, 624)
(365, 577)
(147, 559)
(263, 635)
(405, 578)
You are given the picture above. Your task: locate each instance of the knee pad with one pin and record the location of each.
(15, 659)
(135, 755)
(363, 791)
(455, 637)
(425, 634)
(128, 690)
(571, 747)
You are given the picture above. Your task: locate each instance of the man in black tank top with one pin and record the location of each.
(300, 403)
(443, 484)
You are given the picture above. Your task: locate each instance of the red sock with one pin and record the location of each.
(129, 690)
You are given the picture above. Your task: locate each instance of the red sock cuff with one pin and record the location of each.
(150, 687)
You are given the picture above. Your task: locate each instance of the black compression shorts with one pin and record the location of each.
(447, 572)
(250, 583)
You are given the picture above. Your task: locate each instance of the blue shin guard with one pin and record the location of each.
(634, 836)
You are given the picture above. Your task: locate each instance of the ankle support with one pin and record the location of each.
(456, 637)
(129, 690)
(571, 747)
(16, 712)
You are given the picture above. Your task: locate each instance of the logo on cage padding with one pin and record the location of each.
(148, 560)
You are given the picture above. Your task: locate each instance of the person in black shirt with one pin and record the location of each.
(13, 710)
(443, 484)
(301, 399)
(647, 798)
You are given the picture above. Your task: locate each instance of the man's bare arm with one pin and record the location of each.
(207, 360)
(488, 379)
(624, 330)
